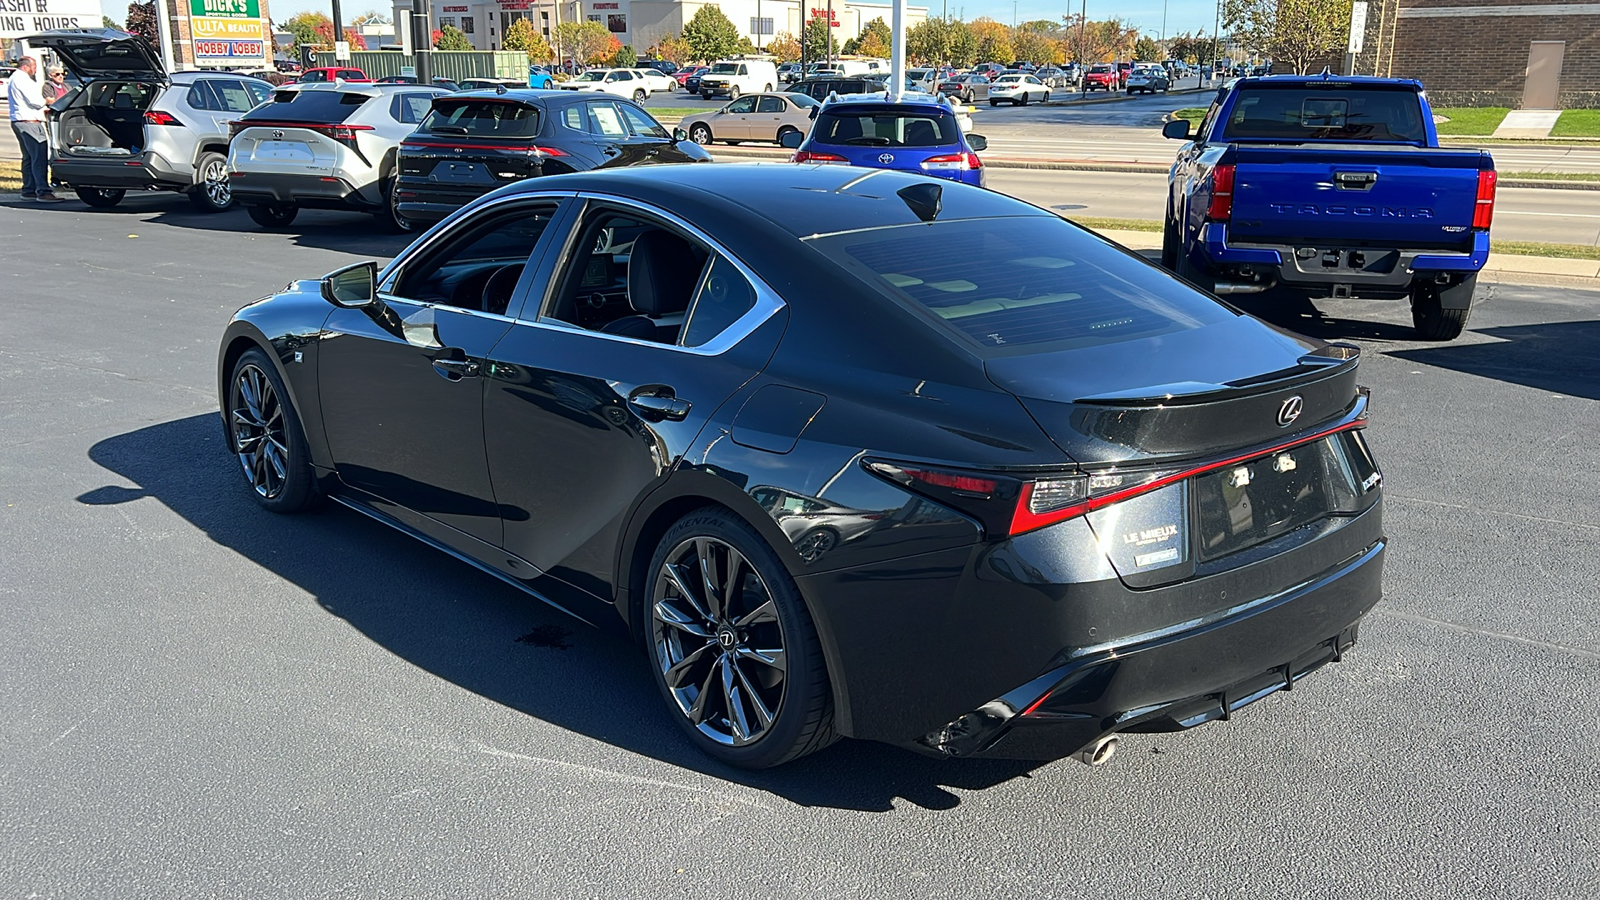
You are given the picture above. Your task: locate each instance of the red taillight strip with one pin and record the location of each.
(1221, 208)
(547, 151)
(1483, 211)
(1025, 519)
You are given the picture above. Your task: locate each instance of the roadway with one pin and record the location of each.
(1521, 214)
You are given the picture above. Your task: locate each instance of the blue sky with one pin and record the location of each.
(1181, 15)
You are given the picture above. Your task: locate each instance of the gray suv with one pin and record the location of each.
(134, 127)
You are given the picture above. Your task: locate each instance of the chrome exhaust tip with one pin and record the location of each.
(1098, 753)
(1239, 287)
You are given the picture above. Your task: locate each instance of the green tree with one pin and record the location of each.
(875, 39)
(452, 38)
(784, 46)
(1037, 47)
(818, 39)
(1299, 33)
(1146, 50)
(110, 23)
(710, 34)
(625, 58)
(674, 49)
(993, 40)
(522, 36)
(310, 29)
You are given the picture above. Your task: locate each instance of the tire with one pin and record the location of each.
(1191, 273)
(733, 93)
(278, 215)
(211, 193)
(768, 89)
(391, 217)
(1046, 97)
(787, 129)
(704, 96)
(1433, 321)
(700, 134)
(264, 433)
(994, 102)
(99, 198)
(695, 642)
(1024, 101)
(639, 96)
(1170, 245)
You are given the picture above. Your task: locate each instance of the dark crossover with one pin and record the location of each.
(833, 481)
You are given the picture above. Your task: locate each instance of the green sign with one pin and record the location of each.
(226, 9)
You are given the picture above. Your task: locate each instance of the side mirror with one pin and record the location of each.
(352, 287)
(1177, 129)
(678, 134)
(977, 142)
(813, 113)
(792, 140)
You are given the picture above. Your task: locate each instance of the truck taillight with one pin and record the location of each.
(1221, 208)
(1483, 212)
(161, 118)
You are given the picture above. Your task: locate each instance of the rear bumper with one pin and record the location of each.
(147, 171)
(1384, 269)
(310, 191)
(430, 202)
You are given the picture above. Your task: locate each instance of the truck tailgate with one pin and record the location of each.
(1349, 195)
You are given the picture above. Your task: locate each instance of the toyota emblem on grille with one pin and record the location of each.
(886, 158)
(1290, 410)
(276, 135)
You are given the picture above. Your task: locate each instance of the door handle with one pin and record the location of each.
(457, 369)
(610, 151)
(657, 403)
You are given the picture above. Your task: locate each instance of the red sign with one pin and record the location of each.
(229, 48)
(830, 15)
(515, 4)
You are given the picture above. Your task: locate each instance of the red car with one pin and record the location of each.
(1102, 77)
(683, 74)
(331, 74)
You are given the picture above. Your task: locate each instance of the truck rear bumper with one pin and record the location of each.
(1364, 269)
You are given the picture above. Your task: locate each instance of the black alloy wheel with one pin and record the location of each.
(264, 433)
(391, 215)
(99, 198)
(276, 215)
(211, 192)
(700, 134)
(735, 652)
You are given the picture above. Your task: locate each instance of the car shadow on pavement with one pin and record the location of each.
(1559, 357)
(1297, 313)
(486, 637)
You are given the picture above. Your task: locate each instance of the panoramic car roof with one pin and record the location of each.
(800, 199)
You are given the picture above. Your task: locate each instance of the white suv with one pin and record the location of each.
(620, 82)
(133, 128)
(324, 146)
(739, 76)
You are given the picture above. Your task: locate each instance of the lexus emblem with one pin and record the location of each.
(1290, 410)
(886, 158)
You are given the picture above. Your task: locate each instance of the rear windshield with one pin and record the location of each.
(1100, 69)
(1022, 283)
(319, 107)
(482, 118)
(1344, 112)
(878, 128)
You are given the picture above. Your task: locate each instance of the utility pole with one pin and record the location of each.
(1216, 37)
(341, 50)
(1163, 26)
(422, 39)
(897, 52)
(1083, 51)
(164, 31)
(827, 42)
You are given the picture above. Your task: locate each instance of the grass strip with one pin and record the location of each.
(1577, 123)
(10, 176)
(1192, 113)
(1100, 223)
(1470, 120)
(1553, 176)
(1536, 248)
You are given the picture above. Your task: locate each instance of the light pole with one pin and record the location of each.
(1083, 51)
(1163, 25)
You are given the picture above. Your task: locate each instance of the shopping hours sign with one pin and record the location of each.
(19, 18)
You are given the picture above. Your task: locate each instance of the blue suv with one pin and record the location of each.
(909, 133)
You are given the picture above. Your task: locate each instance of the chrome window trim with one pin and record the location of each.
(767, 304)
(398, 265)
(392, 299)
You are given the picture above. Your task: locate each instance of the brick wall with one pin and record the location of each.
(1484, 57)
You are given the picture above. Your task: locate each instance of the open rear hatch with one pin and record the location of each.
(93, 53)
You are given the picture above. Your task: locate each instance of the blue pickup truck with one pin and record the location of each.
(1330, 186)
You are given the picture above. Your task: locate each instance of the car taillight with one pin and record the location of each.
(1008, 503)
(1483, 212)
(1221, 208)
(812, 156)
(344, 134)
(964, 162)
(161, 118)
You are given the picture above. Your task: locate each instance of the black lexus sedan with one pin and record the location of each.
(833, 480)
(471, 143)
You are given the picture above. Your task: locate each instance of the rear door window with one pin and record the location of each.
(482, 118)
(771, 105)
(604, 120)
(1022, 283)
(411, 109)
(641, 124)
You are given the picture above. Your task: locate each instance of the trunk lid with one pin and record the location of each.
(1396, 196)
(1184, 399)
(103, 53)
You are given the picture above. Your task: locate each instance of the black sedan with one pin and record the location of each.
(831, 479)
(471, 143)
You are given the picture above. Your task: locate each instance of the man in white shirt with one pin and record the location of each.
(25, 96)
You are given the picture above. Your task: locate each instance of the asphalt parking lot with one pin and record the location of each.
(203, 699)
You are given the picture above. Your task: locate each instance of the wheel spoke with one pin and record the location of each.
(240, 417)
(667, 614)
(774, 658)
(730, 695)
(675, 578)
(753, 697)
(697, 712)
(677, 675)
(731, 585)
(708, 579)
(761, 615)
